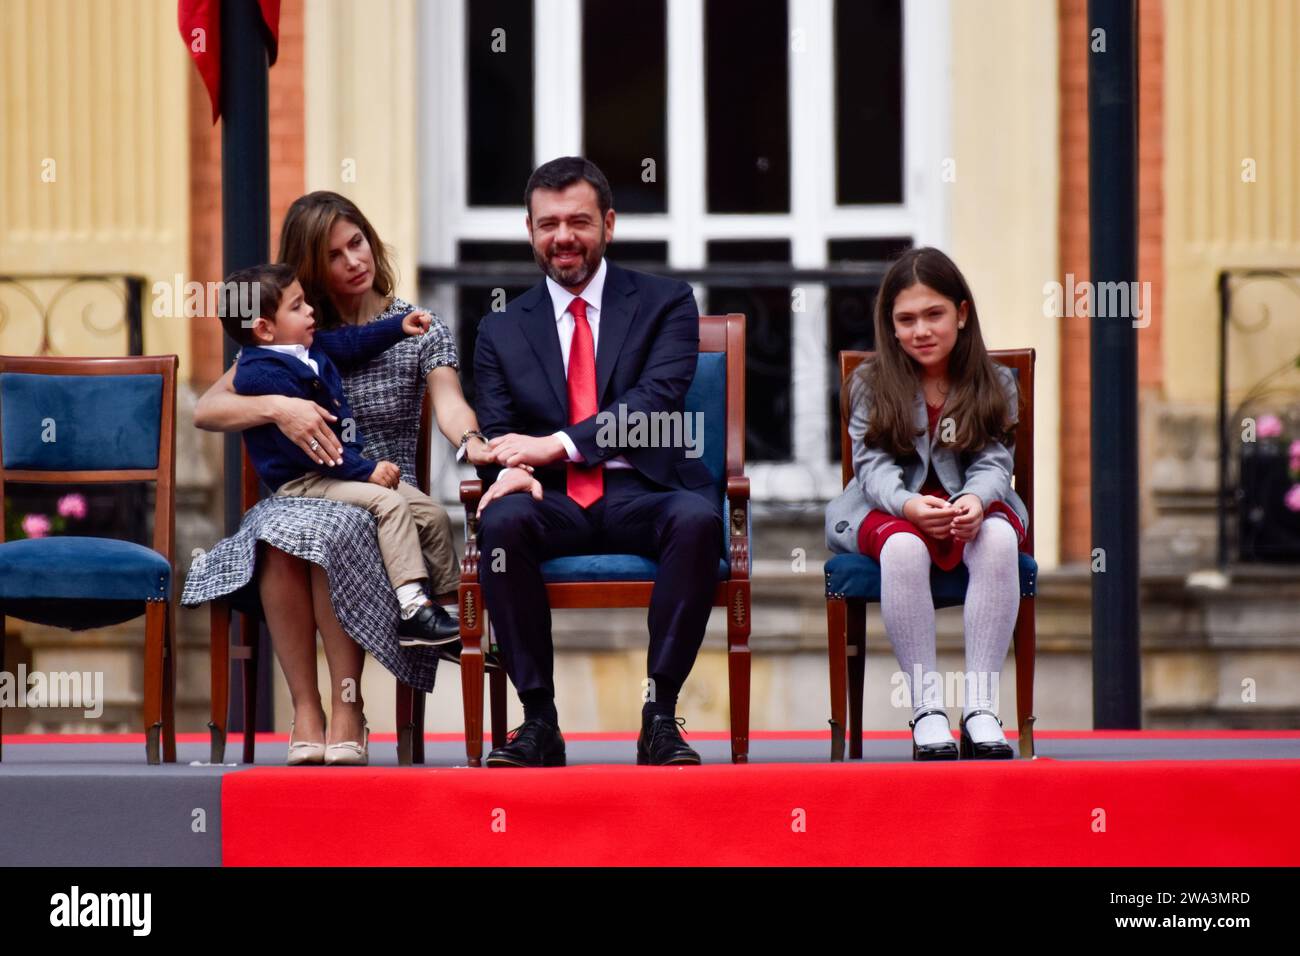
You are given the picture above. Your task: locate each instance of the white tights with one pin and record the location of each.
(989, 616)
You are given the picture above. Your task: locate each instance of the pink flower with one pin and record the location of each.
(1268, 426)
(1292, 498)
(74, 506)
(1294, 450)
(36, 526)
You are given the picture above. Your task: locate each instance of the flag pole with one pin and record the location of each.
(245, 241)
(1112, 213)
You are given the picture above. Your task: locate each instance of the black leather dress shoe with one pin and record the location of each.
(431, 626)
(944, 751)
(984, 750)
(660, 743)
(534, 743)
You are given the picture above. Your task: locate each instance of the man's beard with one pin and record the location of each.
(574, 275)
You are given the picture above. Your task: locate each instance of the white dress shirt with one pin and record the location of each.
(561, 297)
(298, 352)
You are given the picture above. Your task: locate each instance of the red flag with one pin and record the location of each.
(200, 26)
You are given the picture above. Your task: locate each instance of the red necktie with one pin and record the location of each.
(585, 485)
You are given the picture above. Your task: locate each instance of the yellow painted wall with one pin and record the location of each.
(361, 102)
(1004, 203)
(1232, 94)
(92, 97)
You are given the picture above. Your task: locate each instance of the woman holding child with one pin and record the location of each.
(315, 560)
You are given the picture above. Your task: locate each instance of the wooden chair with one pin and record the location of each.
(719, 392)
(68, 420)
(409, 704)
(853, 581)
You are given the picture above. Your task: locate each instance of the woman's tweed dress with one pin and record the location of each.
(385, 396)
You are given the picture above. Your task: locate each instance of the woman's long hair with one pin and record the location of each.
(304, 245)
(976, 402)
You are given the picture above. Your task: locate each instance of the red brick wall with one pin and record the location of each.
(1073, 36)
(205, 229)
(287, 131)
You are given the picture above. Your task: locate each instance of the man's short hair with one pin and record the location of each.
(270, 280)
(564, 172)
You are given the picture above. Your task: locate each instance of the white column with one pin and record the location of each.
(684, 165)
(557, 84)
(812, 167)
(927, 117)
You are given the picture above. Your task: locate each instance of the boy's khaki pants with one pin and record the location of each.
(415, 536)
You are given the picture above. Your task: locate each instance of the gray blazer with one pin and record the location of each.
(882, 481)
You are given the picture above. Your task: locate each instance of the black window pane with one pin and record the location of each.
(747, 113)
(869, 101)
(850, 313)
(625, 94)
(499, 45)
(768, 345)
(641, 254)
(475, 301)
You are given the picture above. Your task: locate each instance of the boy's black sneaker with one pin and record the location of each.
(431, 626)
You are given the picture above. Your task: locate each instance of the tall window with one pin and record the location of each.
(762, 148)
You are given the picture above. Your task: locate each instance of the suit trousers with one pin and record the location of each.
(681, 530)
(415, 537)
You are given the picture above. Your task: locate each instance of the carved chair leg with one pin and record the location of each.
(155, 638)
(169, 686)
(836, 648)
(738, 667)
(248, 631)
(405, 730)
(417, 726)
(471, 671)
(856, 651)
(1025, 650)
(219, 664)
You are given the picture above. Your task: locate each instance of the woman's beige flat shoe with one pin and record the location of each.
(304, 751)
(349, 753)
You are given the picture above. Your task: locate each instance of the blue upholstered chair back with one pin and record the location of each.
(80, 422)
(65, 425)
(708, 395)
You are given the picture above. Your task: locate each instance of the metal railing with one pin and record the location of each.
(1257, 302)
(107, 305)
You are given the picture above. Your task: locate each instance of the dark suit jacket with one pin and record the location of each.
(648, 347)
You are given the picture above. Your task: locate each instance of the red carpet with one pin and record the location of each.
(1019, 813)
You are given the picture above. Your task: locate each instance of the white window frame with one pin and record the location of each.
(814, 217)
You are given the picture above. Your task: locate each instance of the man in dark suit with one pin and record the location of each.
(592, 341)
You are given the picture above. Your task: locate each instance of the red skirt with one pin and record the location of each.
(945, 553)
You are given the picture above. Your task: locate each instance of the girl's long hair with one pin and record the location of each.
(976, 402)
(304, 245)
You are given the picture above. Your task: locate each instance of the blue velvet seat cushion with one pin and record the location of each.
(607, 567)
(76, 422)
(70, 567)
(858, 576)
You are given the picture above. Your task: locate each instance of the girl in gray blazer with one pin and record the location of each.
(932, 421)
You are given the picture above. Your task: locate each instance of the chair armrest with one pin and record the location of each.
(738, 524)
(470, 493)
